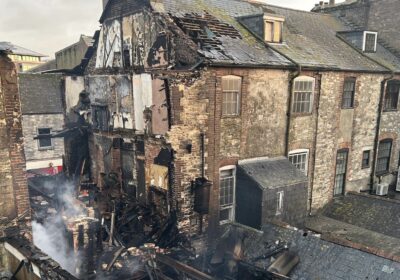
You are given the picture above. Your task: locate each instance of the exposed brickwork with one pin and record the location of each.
(13, 184)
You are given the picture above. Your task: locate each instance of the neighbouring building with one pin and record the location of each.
(42, 116)
(188, 103)
(23, 58)
(13, 185)
(71, 56)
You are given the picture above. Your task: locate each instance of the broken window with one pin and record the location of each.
(279, 202)
(45, 142)
(366, 159)
(392, 95)
(227, 186)
(370, 40)
(299, 158)
(100, 117)
(231, 90)
(384, 152)
(303, 95)
(341, 171)
(348, 93)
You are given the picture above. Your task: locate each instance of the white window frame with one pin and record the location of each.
(298, 152)
(233, 206)
(239, 95)
(279, 202)
(303, 79)
(365, 39)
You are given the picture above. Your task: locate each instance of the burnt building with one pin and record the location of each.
(178, 93)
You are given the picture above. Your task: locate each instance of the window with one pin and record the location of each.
(231, 90)
(273, 27)
(348, 93)
(227, 186)
(366, 159)
(279, 202)
(100, 117)
(392, 95)
(44, 139)
(384, 152)
(299, 158)
(370, 41)
(341, 170)
(303, 95)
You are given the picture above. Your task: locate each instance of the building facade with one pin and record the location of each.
(71, 56)
(42, 116)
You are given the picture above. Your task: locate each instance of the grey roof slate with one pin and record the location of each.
(7, 46)
(247, 50)
(272, 172)
(319, 259)
(310, 40)
(41, 93)
(379, 215)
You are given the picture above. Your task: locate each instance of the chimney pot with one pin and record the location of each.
(321, 3)
(326, 3)
(331, 2)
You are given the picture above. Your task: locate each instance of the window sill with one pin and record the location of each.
(295, 115)
(382, 173)
(46, 149)
(230, 117)
(390, 110)
(349, 108)
(221, 223)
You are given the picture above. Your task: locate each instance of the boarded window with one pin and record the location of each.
(227, 185)
(341, 170)
(231, 90)
(366, 159)
(370, 42)
(384, 152)
(303, 95)
(348, 93)
(300, 160)
(392, 95)
(269, 31)
(45, 141)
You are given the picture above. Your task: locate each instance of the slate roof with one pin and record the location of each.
(319, 259)
(310, 40)
(7, 46)
(379, 215)
(41, 93)
(272, 172)
(246, 50)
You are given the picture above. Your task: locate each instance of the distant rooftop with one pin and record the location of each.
(8, 46)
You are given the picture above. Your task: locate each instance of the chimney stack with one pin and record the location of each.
(331, 2)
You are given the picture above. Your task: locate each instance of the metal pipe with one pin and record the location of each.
(202, 147)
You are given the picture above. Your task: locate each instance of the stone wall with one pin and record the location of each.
(13, 185)
(31, 124)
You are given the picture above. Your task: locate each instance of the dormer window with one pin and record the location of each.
(370, 41)
(273, 27)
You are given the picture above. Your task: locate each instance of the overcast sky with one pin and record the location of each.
(47, 26)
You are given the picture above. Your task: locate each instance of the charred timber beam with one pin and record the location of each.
(186, 269)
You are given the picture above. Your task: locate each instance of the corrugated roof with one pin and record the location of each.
(272, 172)
(7, 46)
(41, 93)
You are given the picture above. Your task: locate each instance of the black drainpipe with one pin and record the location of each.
(378, 127)
(315, 141)
(289, 108)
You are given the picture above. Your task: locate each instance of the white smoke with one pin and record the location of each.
(51, 236)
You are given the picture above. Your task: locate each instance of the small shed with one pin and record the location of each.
(270, 189)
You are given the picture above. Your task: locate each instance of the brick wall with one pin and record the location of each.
(13, 185)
